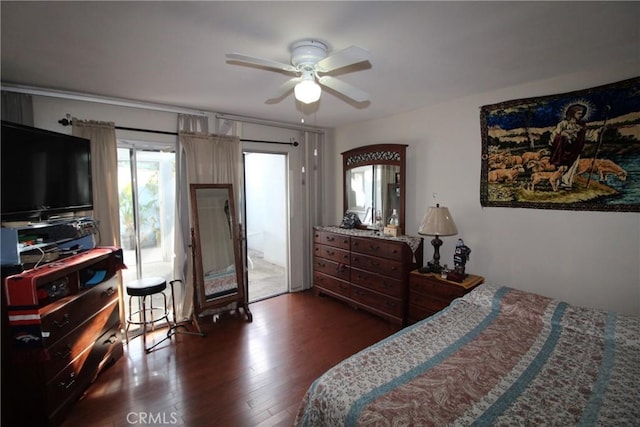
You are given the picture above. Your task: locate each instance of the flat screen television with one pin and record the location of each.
(44, 174)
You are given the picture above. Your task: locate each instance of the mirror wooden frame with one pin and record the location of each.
(201, 302)
(377, 154)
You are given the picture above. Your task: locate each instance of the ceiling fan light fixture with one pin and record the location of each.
(311, 64)
(307, 91)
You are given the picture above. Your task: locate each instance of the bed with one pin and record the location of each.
(497, 356)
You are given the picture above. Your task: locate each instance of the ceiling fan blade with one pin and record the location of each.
(344, 88)
(261, 61)
(285, 88)
(348, 56)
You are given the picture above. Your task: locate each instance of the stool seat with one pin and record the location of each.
(146, 286)
(152, 288)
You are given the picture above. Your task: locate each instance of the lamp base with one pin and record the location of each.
(431, 267)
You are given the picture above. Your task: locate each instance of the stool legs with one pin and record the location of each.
(142, 320)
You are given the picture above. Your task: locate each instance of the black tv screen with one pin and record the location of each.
(44, 174)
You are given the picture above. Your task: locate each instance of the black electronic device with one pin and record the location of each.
(44, 173)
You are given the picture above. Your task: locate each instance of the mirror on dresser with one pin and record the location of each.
(374, 182)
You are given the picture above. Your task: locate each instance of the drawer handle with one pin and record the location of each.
(108, 292)
(330, 239)
(69, 383)
(65, 321)
(331, 253)
(61, 355)
(111, 340)
(321, 264)
(374, 248)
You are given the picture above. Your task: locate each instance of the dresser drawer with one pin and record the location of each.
(65, 318)
(416, 313)
(332, 268)
(70, 347)
(377, 247)
(377, 265)
(68, 384)
(381, 302)
(427, 302)
(332, 239)
(376, 282)
(71, 382)
(429, 293)
(332, 253)
(332, 284)
(435, 288)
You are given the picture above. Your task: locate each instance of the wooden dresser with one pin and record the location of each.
(366, 271)
(430, 293)
(64, 328)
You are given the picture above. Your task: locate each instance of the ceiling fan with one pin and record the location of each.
(311, 64)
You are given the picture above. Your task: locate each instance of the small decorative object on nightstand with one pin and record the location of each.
(429, 293)
(460, 258)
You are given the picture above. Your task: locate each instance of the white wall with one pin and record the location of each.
(585, 258)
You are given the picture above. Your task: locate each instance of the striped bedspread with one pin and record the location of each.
(497, 356)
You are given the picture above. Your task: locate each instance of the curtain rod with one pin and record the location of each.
(67, 122)
(244, 119)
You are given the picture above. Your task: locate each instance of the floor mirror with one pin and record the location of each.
(218, 267)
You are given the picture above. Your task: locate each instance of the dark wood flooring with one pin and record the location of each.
(239, 374)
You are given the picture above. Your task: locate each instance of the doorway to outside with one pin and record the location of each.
(146, 187)
(267, 231)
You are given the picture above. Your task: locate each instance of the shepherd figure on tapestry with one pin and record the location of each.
(579, 150)
(567, 141)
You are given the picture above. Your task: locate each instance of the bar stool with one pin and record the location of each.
(143, 289)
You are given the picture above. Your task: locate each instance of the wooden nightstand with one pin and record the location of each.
(429, 293)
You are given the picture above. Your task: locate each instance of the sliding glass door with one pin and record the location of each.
(267, 231)
(146, 187)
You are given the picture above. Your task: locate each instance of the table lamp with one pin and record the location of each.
(436, 222)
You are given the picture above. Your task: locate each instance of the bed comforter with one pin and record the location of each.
(497, 356)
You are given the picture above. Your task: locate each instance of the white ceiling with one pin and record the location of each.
(173, 53)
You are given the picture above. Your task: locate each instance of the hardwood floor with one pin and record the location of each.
(239, 374)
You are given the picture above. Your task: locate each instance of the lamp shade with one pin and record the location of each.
(307, 91)
(438, 222)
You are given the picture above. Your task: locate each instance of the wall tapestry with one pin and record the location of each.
(574, 151)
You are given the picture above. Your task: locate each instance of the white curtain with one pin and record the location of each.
(104, 173)
(201, 158)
